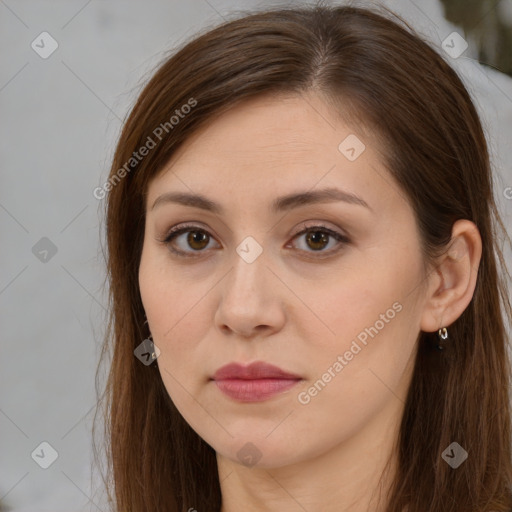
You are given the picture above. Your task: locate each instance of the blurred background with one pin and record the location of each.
(69, 72)
(489, 24)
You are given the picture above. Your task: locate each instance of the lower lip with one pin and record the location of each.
(255, 390)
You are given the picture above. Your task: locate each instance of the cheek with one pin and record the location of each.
(352, 303)
(362, 369)
(370, 318)
(173, 304)
(372, 333)
(179, 315)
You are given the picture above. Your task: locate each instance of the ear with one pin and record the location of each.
(453, 280)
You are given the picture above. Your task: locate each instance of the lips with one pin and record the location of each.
(256, 382)
(253, 371)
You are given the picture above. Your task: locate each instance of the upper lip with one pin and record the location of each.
(257, 370)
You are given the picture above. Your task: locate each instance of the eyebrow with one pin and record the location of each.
(280, 204)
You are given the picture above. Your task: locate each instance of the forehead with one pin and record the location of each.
(271, 144)
(271, 126)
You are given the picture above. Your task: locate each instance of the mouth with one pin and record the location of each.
(254, 383)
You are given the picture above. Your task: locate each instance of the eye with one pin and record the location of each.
(197, 239)
(318, 237)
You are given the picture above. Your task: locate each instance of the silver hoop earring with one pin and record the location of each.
(442, 334)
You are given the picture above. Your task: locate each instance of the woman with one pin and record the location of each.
(306, 310)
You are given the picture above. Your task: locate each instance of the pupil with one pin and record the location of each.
(312, 236)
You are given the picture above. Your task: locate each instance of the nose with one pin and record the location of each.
(251, 302)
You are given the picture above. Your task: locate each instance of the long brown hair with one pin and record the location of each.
(402, 88)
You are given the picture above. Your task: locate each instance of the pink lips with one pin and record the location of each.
(253, 383)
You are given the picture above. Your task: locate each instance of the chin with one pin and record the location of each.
(262, 453)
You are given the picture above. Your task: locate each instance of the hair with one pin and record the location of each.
(384, 75)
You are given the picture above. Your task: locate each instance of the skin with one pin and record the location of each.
(293, 306)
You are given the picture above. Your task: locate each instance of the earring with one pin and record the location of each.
(442, 334)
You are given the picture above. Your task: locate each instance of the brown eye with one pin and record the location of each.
(196, 240)
(317, 239)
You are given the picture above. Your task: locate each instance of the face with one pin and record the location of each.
(326, 287)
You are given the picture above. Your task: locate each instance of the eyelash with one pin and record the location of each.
(185, 228)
